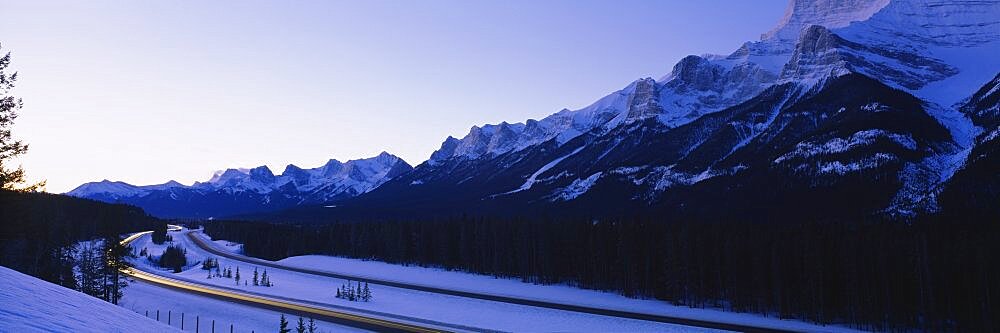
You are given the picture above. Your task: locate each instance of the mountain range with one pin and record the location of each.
(848, 109)
(240, 191)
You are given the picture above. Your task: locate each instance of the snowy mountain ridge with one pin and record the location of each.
(838, 90)
(256, 188)
(880, 38)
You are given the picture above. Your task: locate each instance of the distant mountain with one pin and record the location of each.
(240, 191)
(847, 109)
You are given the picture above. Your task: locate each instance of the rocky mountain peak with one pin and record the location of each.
(827, 13)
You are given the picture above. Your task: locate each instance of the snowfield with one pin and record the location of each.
(33, 305)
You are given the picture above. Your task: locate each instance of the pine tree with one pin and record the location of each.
(255, 276)
(366, 293)
(301, 327)
(90, 271)
(312, 326)
(114, 264)
(237, 277)
(9, 147)
(283, 325)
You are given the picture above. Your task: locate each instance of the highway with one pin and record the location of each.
(205, 245)
(273, 303)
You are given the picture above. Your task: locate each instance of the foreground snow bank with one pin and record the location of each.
(33, 305)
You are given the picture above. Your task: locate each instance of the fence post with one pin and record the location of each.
(197, 324)
(182, 321)
(213, 325)
(147, 313)
(230, 328)
(169, 316)
(157, 315)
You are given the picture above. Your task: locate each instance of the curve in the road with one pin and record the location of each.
(344, 318)
(506, 299)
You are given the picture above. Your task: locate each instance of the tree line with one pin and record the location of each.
(40, 233)
(933, 275)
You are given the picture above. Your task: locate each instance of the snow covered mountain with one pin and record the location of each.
(848, 108)
(237, 191)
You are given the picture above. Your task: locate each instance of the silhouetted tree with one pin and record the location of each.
(11, 179)
(301, 326)
(283, 324)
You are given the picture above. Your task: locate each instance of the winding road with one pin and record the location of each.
(274, 303)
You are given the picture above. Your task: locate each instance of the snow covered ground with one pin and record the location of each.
(141, 297)
(28, 304)
(473, 314)
(515, 288)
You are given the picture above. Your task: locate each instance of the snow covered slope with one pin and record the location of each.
(33, 305)
(236, 191)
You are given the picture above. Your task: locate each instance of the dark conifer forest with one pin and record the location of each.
(934, 275)
(39, 231)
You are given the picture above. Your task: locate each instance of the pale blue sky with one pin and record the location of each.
(145, 92)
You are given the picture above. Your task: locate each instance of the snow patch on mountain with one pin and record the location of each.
(534, 176)
(575, 189)
(860, 139)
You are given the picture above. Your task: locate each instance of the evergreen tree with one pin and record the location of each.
(11, 179)
(89, 266)
(114, 264)
(237, 277)
(312, 326)
(255, 276)
(301, 327)
(159, 235)
(366, 293)
(173, 257)
(283, 324)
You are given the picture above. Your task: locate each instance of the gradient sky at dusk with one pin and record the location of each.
(145, 92)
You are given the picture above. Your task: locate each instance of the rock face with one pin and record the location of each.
(239, 191)
(831, 14)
